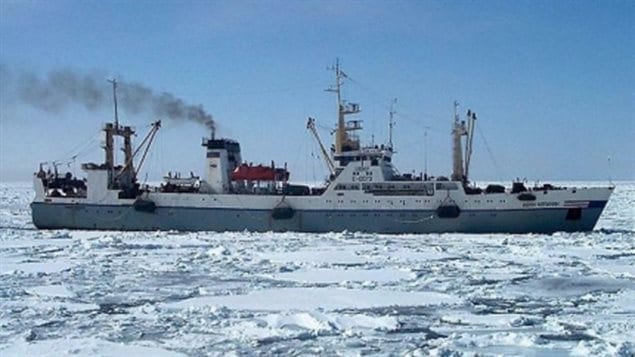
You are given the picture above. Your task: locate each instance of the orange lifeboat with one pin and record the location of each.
(259, 173)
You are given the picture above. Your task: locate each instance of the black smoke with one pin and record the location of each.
(60, 89)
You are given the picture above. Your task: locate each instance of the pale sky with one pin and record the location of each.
(552, 82)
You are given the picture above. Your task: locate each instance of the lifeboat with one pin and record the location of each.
(259, 173)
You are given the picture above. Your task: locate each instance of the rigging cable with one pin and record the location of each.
(80, 149)
(499, 172)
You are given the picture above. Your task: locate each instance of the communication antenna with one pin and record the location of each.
(425, 151)
(456, 114)
(114, 98)
(391, 123)
(340, 136)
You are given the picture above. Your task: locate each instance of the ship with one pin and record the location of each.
(363, 191)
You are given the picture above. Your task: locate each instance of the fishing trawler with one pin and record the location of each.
(363, 192)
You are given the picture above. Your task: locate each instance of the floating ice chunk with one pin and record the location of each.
(85, 235)
(82, 347)
(407, 255)
(341, 275)
(50, 291)
(566, 286)
(39, 303)
(343, 256)
(303, 324)
(218, 251)
(383, 323)
(303, 320)
(617, 268)
(491, 320)
(45, 267)
(514, 339)
(20, 242)
(319, 298)
(330, 322)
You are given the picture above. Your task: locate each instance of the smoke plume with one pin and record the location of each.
(62, 88)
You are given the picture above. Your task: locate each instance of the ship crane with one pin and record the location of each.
(147, 142)
(311, 126)
(127, 175)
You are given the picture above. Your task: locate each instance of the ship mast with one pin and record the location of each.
(460, 169)
(342, 140)
(340, 134)
(391, 123)
(111, 131)
(127, 174)
(458, 130)
(114, 99)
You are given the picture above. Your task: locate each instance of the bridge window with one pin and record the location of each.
(346, 186)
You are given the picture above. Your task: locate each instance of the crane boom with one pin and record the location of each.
(311, 126)
(155, 127)
(148, 139)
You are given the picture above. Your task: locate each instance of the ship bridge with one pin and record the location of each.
(373, 155)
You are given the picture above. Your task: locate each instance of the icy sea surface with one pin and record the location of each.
(172, 293)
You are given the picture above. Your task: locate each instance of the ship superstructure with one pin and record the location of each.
(363, 192)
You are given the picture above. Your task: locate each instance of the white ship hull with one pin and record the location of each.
(352, 211)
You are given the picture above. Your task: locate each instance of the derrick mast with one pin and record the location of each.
(458, 131)
(329, 163)
(127, 175)
(460, 168)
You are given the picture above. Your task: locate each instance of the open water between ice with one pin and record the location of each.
(172, 293)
